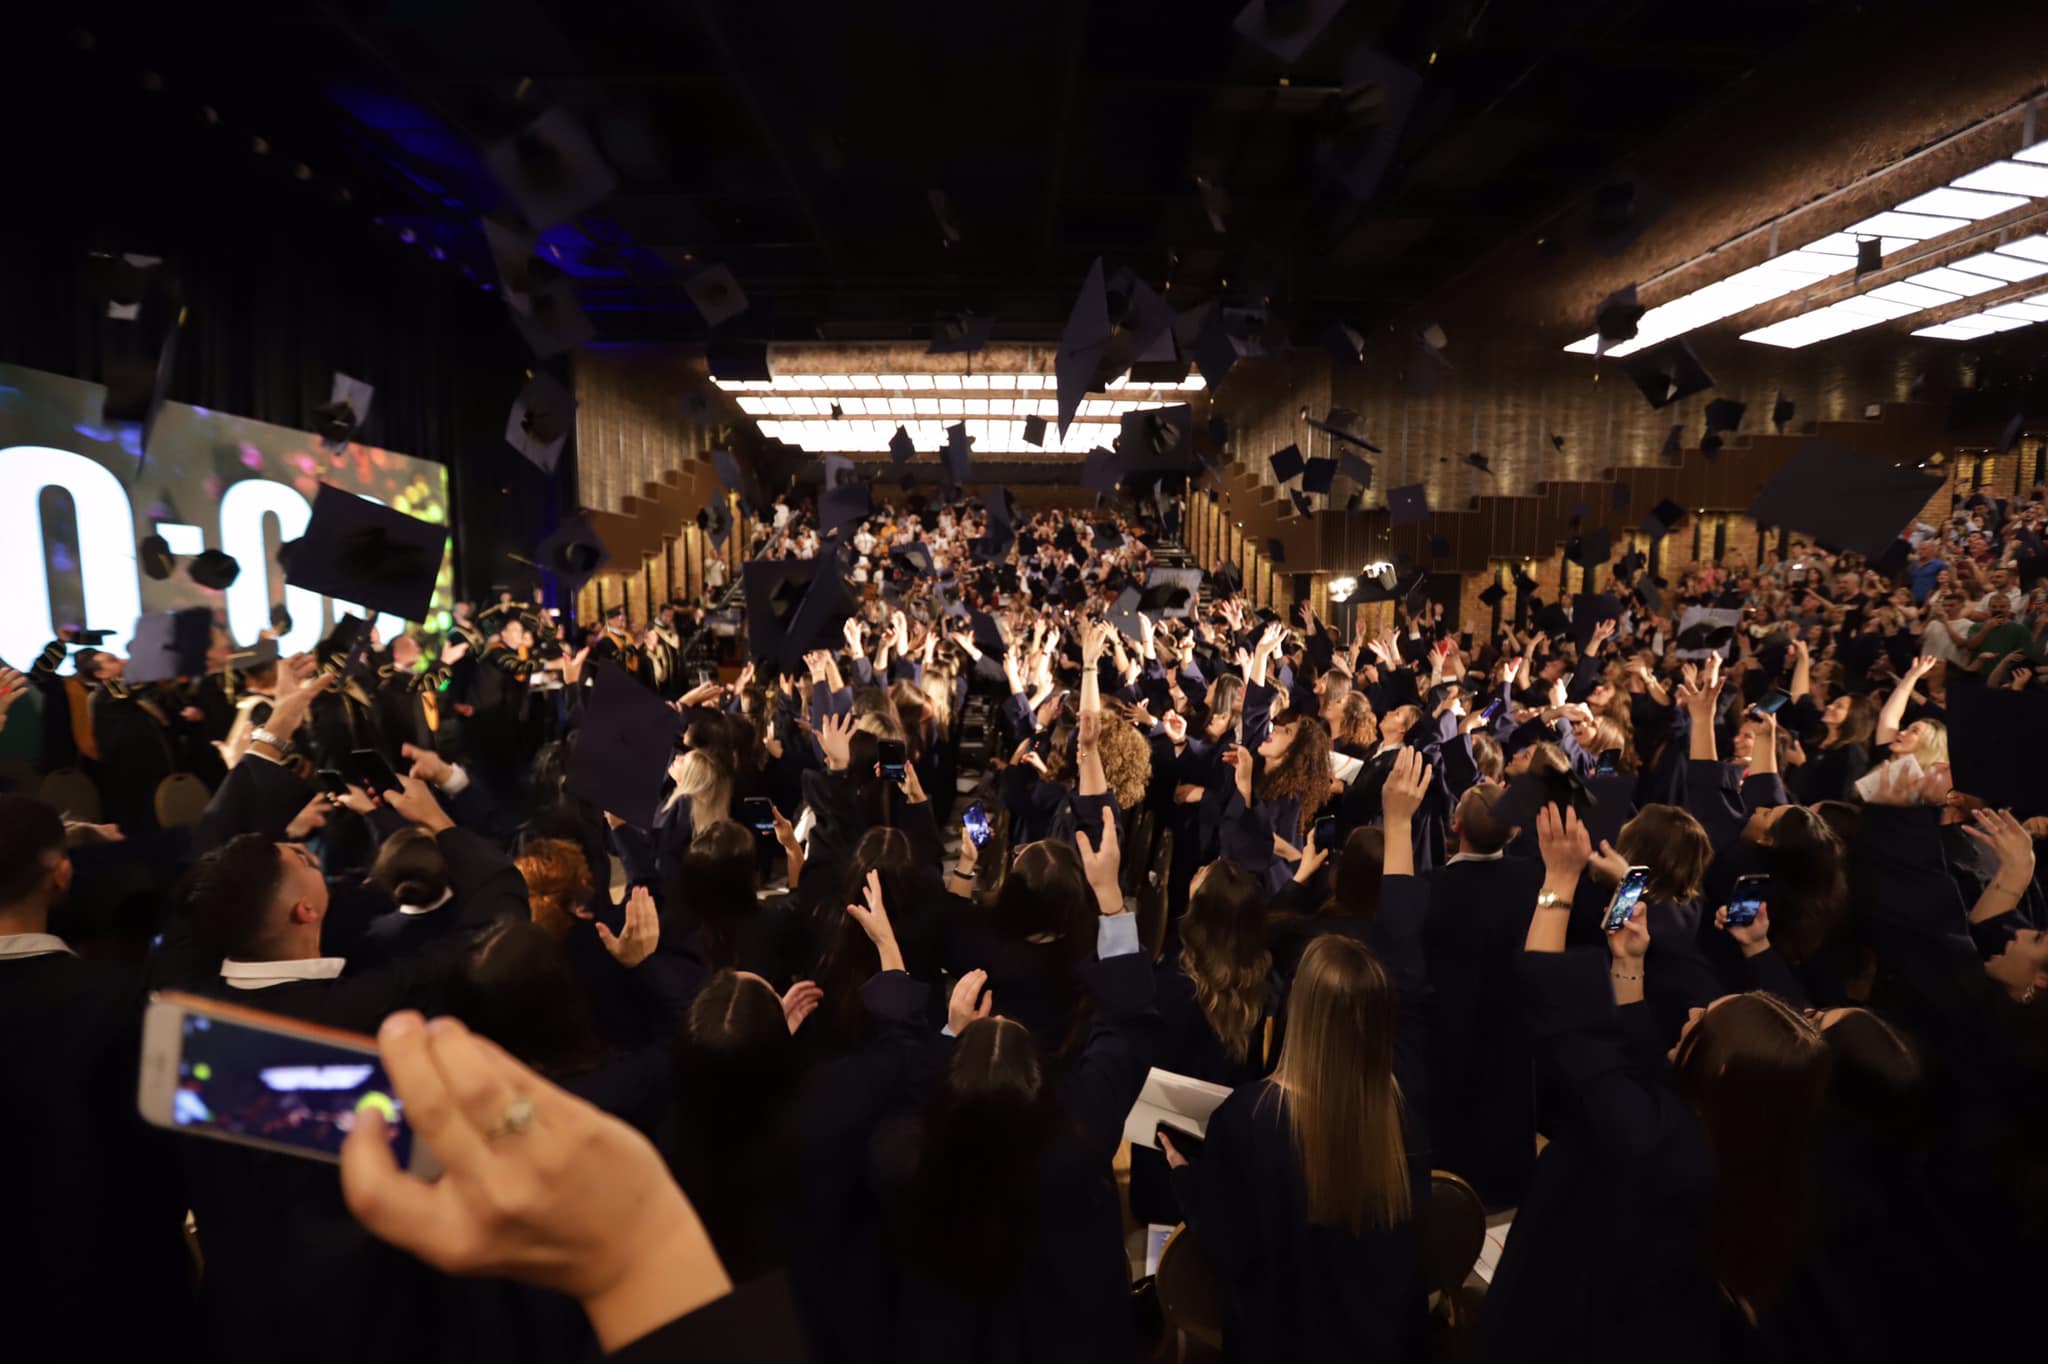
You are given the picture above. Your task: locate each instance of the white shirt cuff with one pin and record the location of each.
(458, 780)
(1116, 935)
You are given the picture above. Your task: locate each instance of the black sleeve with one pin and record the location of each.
(487, 885)
(756, 1323)
(259, 796)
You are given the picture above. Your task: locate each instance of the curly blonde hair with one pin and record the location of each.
(1126, 761)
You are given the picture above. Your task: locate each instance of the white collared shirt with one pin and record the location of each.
(33, 945)
(261, 975)
(1493, 856)
(446, 896)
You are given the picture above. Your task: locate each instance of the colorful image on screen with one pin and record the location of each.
(294, 1091)
(76, 497)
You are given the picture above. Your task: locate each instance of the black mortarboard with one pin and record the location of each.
(737, 360)
(2010, 436)
(214, 570)
(1276, 551)
(1618, 496)
(956, 456)
(1663, 517)
(541, 417)
(913, 556)
(1107, 536)
(138, 379)
(346, 411)
(1342, 424)
(1287, 464)
(1001, 506)
(1285, 28)
(1370, 114)
(1524, 581)
(1668, 372)
(1869, 255)
(1710, 444)
(573, 553)
(1593, 548)
(960, 334)
(261, 654)
(1781, 412)
(1673, 451)
(1725, 414)
(717, 294)
(1157, 438)
(1318, 475)
(1540, 786)
(1101, 471)
(901, 447)
(155, 557)
(1081, 345)
(1300, 500)
(624, 747)
(1844, 500)
(553, 320)
(1492, 595)
(1616, 319)
(1704, 634)
(168, 644)
(1589, 609)
(1034, 430)
(1346, 347)
(1354, 468)
(1998, 746)
(551, 169)
(1477, 459)
(359, 551)
(1216, 352)
(1557, 442)
(1408, 506)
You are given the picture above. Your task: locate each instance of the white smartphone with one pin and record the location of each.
(220, 1070)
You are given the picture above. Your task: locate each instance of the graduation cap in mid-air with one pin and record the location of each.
(1492, 594)
(153, 553)
(1156, 439)
(360, 551)
(1781, 412)
(957, 458)
(1354, 468)
(1668, 372)
(346, 411)
(538, 426)
(1673, 449)
(1286, 464)
(1408, 505)
(1724, 414)
(960, 334)
(901, 447)
(213, 569)
(573, 553)
(169, 644)
(1616, 318)
(716, 294)
(1662, 518)
(1082, 342)
(551, 169)
(1318, 476)
(1844, 500)
(623, 749)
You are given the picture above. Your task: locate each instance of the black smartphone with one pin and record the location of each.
(1325, 835)
(372, 772)
(1184, 1141)
(975, 821)
(1608, 764)
(759, 814)
(1746, 899)
(333, 782)
(1626, 896)
(1774, 701)
(890, 753)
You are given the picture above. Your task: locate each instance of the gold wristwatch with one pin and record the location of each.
(1550, 899)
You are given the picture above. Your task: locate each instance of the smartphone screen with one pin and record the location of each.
(975, 821)
(219, 1070)
(333, 782)
(1325, 834)
(1774, 700)
(759, 813)
(1626, 897)
(1608, 763)
(891, 755)
(1747, 898)
(372, 771)
(1493, 709)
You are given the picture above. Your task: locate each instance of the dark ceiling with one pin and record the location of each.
(799, 143)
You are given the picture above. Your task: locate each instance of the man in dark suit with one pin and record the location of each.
(1482, 1107)
(95, 1264)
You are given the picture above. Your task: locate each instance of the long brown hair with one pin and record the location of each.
(1343, 1102)
(1858, 725)
(1223, 952)
(1757, 1074)
(1671, 843)
(1303, 771)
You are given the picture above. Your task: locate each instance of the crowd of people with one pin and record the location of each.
(831, 1057)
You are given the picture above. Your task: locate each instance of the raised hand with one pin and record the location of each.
(2003, 833)
(835, 736)
(636, 942)
(414, 800)
(800, 1002)
(428, 765)
(963, 1008)
(1240, 762)
(856, 635)
(1407, 783)
(309, 820)
(1102, 859)
(1176, 726)
(1754, 936)
(1563, 841)
(873, 918)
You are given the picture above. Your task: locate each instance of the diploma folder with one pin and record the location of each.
(1177, 1100)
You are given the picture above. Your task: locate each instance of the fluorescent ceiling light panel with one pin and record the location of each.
(2018, 312)
(2008, 177)
(2037, 153)
(1917, 227)
(1998, 265)
(1919, 295)
(1954, 281)
(1963, 203)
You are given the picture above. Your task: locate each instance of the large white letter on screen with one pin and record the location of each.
(106, 550)
(242, 509)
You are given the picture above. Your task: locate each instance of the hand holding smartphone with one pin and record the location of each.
(890, 753)
(1746, 899)
(975, 822)
(759, 814)
(214, 1069)
(373, 772)
(1626, 896)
